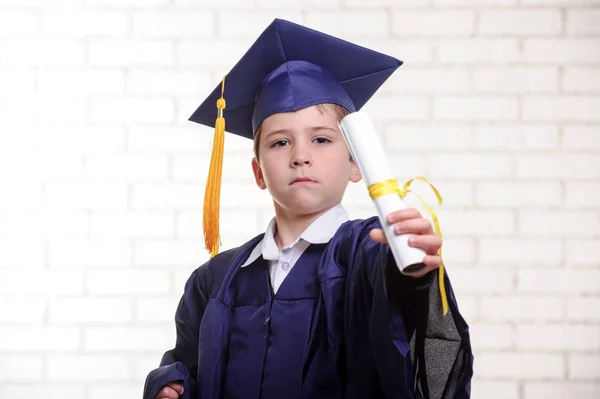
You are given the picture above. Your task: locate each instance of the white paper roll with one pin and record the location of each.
(367, 151)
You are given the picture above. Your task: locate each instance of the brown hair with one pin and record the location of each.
(339, 111)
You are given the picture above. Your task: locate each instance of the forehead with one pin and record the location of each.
(313, 116)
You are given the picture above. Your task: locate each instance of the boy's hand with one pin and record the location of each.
(410, 221)
(171, 391)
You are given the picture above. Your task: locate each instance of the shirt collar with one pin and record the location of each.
(319, 232)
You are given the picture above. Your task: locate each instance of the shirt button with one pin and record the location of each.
(285, 266)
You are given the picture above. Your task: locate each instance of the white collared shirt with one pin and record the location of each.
(280, 263)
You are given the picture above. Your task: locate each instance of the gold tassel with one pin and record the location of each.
(212, 194)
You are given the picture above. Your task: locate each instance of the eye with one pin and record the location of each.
(322, 140)
(280, 143)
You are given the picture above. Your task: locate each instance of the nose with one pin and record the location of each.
(301, 157)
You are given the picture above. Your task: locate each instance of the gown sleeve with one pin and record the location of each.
(180, 364)
(415, 349)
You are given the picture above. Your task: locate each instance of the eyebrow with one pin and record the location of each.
(312, 129)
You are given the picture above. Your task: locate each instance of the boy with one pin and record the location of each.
(315, 307)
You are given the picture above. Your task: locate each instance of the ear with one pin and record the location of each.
(258, 175)
(355, 175)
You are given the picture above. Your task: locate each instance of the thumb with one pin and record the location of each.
(177, 387)
(378, 236)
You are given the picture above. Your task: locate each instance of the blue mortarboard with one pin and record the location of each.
(290, 67)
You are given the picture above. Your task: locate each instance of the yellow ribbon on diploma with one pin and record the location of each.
(376, 190)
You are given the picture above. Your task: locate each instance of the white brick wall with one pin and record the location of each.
(102, 177)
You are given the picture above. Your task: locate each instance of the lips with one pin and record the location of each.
(303, 180)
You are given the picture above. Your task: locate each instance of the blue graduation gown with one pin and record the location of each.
(344, 324)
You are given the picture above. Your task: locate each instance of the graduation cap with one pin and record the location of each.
(288, 68)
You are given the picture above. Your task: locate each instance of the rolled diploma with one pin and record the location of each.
(367, 151)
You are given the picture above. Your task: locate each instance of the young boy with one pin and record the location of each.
(316, 307)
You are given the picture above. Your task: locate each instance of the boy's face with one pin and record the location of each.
(304, 161)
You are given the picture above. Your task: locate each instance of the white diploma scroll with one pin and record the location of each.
(367, 151)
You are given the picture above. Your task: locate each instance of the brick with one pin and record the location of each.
(90, 310)
(168, 23)
(460, 223)
(350, 24)
(553, 281)
(491, 389)
(583, 309)
(522, 308)
(413, 51)
(42, 282)
(19, 252)
(431, 80)
(80, 253)
(168, 82)
(561, 108)
(127, 282)
(558, 223)
(201, 53)
(156, 309)
(28, 311)
(18, 23)
(475, 108)
(562, 166)
(520, 22)
(246, 24)
(84, 23)
(137, 224)
(277, 5)
(560, 390)
(123, 53)
(115, 390)
(570, 337)
(222, 5)
(169, 253)
(332, 4)
(42, 52)
(81, 81)
(145, 363)
(454, 194)
(582, 252)
(86, 195)
(22, 195)
(478, 51)
(583, 21)
(521, 366)
(581, 195)
(516, 252)
(132, 110)
(516, 79)
(491, 336)
(433, 23)
(126, 167)
(17, 80)
(558, 3)
(410, 164)
(168, 139)
(475, 280)
(469, 165)
(458, 251)
(128, 3)
(519, 194)
(561, 51)
(20, 368)
(127, 339)
(167, 196)
(57, 224)
(383, 3)
(516, 137)
(43, 390)
(60, 167)
(581, 80)
(583, 366)
(35, 339)
(82, 139)
(193, 168)
(189, 224)
(473, 3)
(581, 137)
(468, 307)
(89, 368)
(426, 137)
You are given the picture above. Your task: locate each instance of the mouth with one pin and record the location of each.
(303, 180)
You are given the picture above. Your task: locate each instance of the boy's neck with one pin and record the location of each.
(291, 226)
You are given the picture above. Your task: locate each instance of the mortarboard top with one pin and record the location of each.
(289, 67)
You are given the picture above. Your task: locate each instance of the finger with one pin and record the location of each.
(403, 214)
(433, 261)
(413, 226)
(428, 243)
(168, 393)
(176, 387)
(378, 235)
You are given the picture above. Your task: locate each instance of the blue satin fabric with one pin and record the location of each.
(337, 327)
